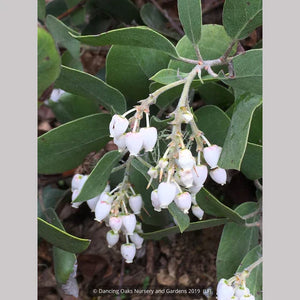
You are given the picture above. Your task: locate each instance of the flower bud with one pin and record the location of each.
(218, 175)
(185, 159)
(136, 203)
(166, 193)
(112, 238)
(120, 142)
(241, 291)
(115, 223)
(102, 210)
(78, 181)
(118, 125)
(247, 297)
(199, 174)
(138, 227)
(212, 154)
(197, 211)
(186, 178)
(155, 201)
(93, 202)
(184, 202)
(137, 240)
(128, 252)
(149, 135)
(134, 142)
(129, 222)
(224, 291)
(152, 172)
(163, 162)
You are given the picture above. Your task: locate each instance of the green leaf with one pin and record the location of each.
(254, 281)
(240, 18)
(86, 85)
(252, 162)
(160, 124)
(69, 61)
(181, 219)
(213, 122)
(50, 198)
(64, 148)
(41, 10)
(139, 178)
(236, 140)
(61, 239)
(56, 8)
(236, 241)
(216, 94)
(255, 134)
(154, 19)
(48, 61)
(159, 234)
(60, 33)
(190, 15)
(140, 36)
(248, 72)
(70, 107)
(77, 16)
(63, 261)
(212, 206)
(213, 44)
(98, 178)
(140, 63)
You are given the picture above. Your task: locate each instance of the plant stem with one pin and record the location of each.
(254, 265)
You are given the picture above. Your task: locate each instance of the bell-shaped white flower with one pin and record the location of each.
(166, 192)
(186, 178)
(212, 154)
(115, 222)
(129, 222)
(247, 297)
(74, 196)
(102, 210)
(128, 252)
(118, 125)
(137, 240)
(195, 189)
(112, 238)
(224, 291)
(197, 211)
(185, 159)
(136, 203)
(184, 201)
(93, 202)
(138, 227)
(152, 172)
(154, 200)
(241, 291)
(149, 135)
(134, 142)
(78, 181)
(107, 197)
(120, 142)
(200, 173)
(218, 175)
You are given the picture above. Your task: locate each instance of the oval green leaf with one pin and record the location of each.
(64, 148)
(252, 161)
(140, 36)
(89, 86)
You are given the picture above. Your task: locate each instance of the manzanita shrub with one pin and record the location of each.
(143, 102)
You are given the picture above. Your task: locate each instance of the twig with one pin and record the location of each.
(165, 13)
(227, 52)
(258, 185)
(72, 9)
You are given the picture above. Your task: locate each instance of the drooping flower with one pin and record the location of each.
(136, 203)
(197, 211)
(115, 222)
(134, 142)
(112, 238)
(212, 154)
(185, 159)
(224, 290)
(118, 125)
(184, 201)
(128, 251)
(149, 135)
(102, 210)
(137, 240)
(218, 175)
(129, 222)
(199, 174)
(166, 193)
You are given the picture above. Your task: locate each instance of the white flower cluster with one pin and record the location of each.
(110, 207)
(233, 289)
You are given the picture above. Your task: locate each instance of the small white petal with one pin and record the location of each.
(184, 201)
(93, 202)
(128, 252)
(212, 154)
(56, 94)
(136, 203)
(78, 181)
(74, 196)
(197, 211)
(107, 197)
(112, 238)
(120, 142)
(166, 193)
(199, 174)
(186, 178)
(241, 291)
(129, 222)
(102, 210)
(118, 125)
(149, 135)
(185, 159)
(155, 201)
(134, 142)
(218, 175)
(115, 222)
(224, 291)
(137, 240)
(152, 172)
